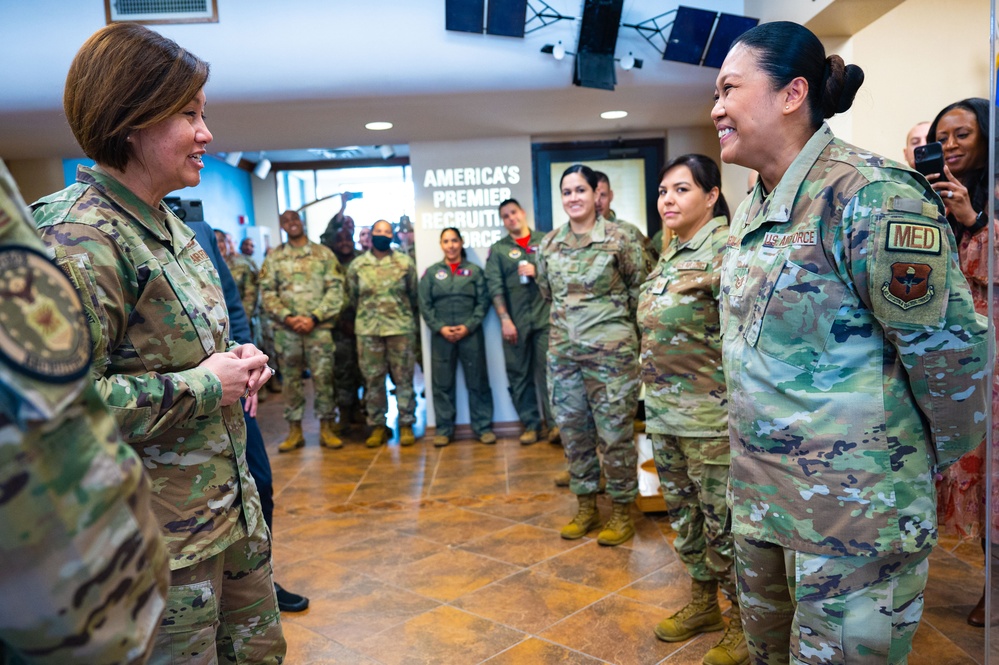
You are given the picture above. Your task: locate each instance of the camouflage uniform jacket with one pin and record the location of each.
(527, 307)
(156, 311)
(649, 251)
(84, 566)
(681, 338)
(247, 277)
(384, 293)
(593, 283)
(853, 355)
(457, 299)
(302, 281)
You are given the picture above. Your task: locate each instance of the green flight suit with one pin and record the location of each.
(525, 360)
(448, 299)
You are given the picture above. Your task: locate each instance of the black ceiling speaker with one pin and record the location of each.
(506, 18)
(689, 36)
(465, 15)
(729, 28)
(597, 41)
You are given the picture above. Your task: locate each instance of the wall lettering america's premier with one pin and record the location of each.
(468, 199)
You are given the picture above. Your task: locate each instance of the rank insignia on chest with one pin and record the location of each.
(462, 272)
(515, 254)
(909, 285)
(441, 274)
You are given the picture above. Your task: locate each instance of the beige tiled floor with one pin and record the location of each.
(424, 555)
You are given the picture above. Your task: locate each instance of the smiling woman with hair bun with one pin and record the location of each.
(853, 358)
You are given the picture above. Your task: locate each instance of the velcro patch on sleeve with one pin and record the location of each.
(906, 236)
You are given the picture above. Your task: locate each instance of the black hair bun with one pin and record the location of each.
(840, 85)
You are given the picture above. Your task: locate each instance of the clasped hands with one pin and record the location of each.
(242, 373)
(303, 325)
(454, 333)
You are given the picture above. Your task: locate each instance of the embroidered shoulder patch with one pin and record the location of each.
(514, 254)
(43, 330)
(913, 237)
(441, 274)
(909, 285)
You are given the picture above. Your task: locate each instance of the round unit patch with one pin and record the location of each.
(441, 274)
(43, 329)
(514, 254)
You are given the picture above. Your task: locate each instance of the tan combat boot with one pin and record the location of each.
(732, 649)
(700, 615)
(328, 435)
(295, 438)
(587, 518)
(562, 478)
(528, 437)
(406, 436)
(554, 436)
(619, 527)
(378, 436)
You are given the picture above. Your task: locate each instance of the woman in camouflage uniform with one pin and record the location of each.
(159, 327)
(686, 405)
(854, 361)
(591, 270)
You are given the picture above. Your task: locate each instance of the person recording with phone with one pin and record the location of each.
(962, 130)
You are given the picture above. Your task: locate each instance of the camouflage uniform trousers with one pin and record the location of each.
(694, 487)
(821, 610)
(594, 393)
(346, 373)
(298, 352)
(526, 373)
(377, 355)
(223, 610)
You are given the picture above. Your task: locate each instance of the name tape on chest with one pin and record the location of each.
(779, 240)
(692, 265)
(913, 237)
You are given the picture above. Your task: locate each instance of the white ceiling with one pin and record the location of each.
(310, 73)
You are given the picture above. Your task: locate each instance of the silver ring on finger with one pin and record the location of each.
(950, 193)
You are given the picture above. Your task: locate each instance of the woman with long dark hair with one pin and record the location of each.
(963, 129)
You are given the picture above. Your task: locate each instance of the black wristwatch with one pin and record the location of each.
(315, 319)
(980, 221)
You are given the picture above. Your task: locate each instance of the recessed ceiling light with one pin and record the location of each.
(613, 115)
(378, 126)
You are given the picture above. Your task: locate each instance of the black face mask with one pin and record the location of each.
(381, 243)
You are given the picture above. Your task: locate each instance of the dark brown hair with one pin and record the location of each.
(126, 77)
(706, 176)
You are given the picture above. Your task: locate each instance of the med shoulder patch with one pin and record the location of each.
(43, 330)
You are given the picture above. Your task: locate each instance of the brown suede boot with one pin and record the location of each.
(295, 438)
(379, 435)
(619, 527)
(587, 518)
(701, 615)
(732, 649)
(328, 435)
(406, 436)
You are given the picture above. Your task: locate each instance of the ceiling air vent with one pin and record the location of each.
(162, 11)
